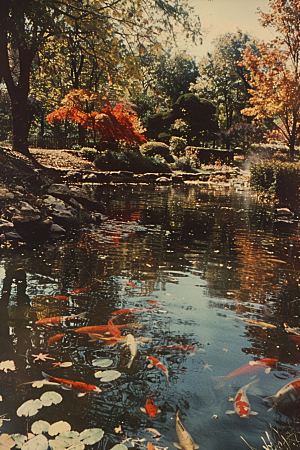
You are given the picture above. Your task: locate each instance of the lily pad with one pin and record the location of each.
(39, 442)
(59, 427)
(19, 439)
(91, 435)
(69, 437)
(107, 375)
(29, 408)
(66, 364)
(119, 447)
(102, 362)
(50, 398)
(6, 442)
(40, 426)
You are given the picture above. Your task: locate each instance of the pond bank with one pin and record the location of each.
(51, 194)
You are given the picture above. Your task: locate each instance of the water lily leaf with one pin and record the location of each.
(39, 442)
(50, 397)
(56, 444)
(102, 362)
(119, 447)
(6, 442)
(29, 408)
(59, 427)
(69, 437)
(19, 439)
(66, 364)
(40, 426)
(7, 365)
(70, 442)
(107, 375)
(91, 435)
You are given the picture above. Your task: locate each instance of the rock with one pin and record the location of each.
(59, 210)
(5, 225)
(75, 204)
(90, 177)
(61, 191)
(5, 194)
(13, 236)
(57, 229)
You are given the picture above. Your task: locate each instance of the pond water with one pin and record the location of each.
(194, 264)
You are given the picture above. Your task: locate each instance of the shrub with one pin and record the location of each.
(155, 148)
(184, 164)
(279, 179)
(89, 153)
(130, 161)
(177, 145)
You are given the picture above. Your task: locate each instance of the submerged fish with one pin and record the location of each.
(257, 322)
(241, 403)
(159, 365)
(290, 391)
(61, 297)
(288, 329)
(128, 311)
(77, 291)
(59, 319)
(186, 441)
(101, 329)
(78, 386)
(150, 407)
(55, 339)
(113, 329)
(131, 343)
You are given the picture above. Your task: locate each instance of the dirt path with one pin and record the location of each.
(61, 159)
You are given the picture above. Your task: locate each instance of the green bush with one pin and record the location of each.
(185, 164)
(153, 148)
(177, 145)
(89, 153)
(278, 179)
(130, 161)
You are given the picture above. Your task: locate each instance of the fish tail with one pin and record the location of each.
(271, 399)
(220, 382)
(82, 315)
(47, 377)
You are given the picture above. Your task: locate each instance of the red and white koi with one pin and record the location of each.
(186, 441)
(78, 386)
(241, 403)
(59, 319)
(150, 407)
(290, 391)
(154, 362)
(254, 366)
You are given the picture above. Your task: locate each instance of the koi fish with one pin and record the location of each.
(290, 391)
(78, 386)
(150, 407)
(126, 312)
(256, 322)
(159, 365)
(181, 348)
(186, 441)
(130, 284)
(55, 339)
(59, 319)
(253, 366)
(150, 446)
(62, 297)
(154, 302)
(113, 329)
(241, 403)
(131, 343)
(99, 329)
(295, 338)
(77, 291)
(288, 329)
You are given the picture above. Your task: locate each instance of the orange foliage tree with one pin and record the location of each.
(120, 123)
(275, 72)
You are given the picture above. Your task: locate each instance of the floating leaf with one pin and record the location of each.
(107, 375)
(7, 365)
(40, 383)
(102, 362)
(29, 408)
(39, 442)
(119, 447)
(91, 435)
(19, 439)
(40, 426)
(50, 397)
(66, 364)
(57, 445)
(59, 427)
(69, 436)
(6, 442)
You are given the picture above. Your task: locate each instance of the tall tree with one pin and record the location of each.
(275, 72)
(25, 26)
(222, 80)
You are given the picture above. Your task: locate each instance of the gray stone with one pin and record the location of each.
(57, 229)
(13, 236)
(5, 225)
(5, 194)
(59, 190)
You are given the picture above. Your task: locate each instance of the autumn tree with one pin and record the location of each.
(275, 72)
(112, 124)
(26, 26)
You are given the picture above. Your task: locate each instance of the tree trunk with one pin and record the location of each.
(20, 126)
(293, 139)
(82, 135)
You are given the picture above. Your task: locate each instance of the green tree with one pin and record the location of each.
(26, 26)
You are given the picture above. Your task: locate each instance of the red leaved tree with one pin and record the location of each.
(120, 123)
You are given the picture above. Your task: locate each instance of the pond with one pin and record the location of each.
(207, 278)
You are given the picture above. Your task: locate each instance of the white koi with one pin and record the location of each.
(131, 343)
(241, 403)
(186, 441)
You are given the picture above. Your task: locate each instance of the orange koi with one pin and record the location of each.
(254, 366)
(130, 311)
(55, 339)
(100, 329)
(62, 297)
(130, 284)
(154, 302)
(150, 407)
(150, 446)
(113, 329)
(295, 338)
(57, 320)
(241, 403)
(159, 365)
(77, 291)
(78, 386)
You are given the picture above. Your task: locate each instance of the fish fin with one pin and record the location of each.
(253, 413)
(80, 394)
(82, 315)
(48, 377)
(229, 412)
(252, 363)
(292, 397)
(271, 399)
(221, 381)
(66, 387)
(268, 370)
(176, 445)
(196, 446)
(143, 410)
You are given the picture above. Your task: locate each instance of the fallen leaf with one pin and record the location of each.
(119, 447)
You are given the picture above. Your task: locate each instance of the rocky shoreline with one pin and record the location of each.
(38, 201)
